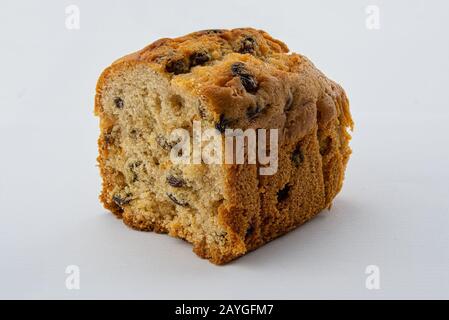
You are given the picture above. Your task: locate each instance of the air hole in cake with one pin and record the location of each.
(176, 103)
(325, 146)
(249, 231)
(283, 193)
(297, 156)
(134, 133)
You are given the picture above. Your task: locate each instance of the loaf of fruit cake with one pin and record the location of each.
(221, 80)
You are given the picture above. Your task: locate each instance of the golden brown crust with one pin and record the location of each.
(216, 42)
(310, 111)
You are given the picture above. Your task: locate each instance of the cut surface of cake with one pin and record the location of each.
(223, 80)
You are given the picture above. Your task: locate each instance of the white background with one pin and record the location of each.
(393, 211)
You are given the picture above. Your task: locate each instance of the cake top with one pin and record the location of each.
(180, 54)
(243, 77)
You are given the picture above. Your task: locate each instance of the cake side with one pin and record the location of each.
(224, 79)
(312, 115)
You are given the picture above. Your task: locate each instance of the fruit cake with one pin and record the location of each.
(222, 79)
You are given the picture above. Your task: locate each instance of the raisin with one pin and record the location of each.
(253, 112)
(283, 193)
(175, 181)
(177, 66)
(249, 83)
(121, 201)
(297, 156)
(119, 103)
(238, 69)
(176, 201)
(198, 58)
(248, 45)
(222, 123)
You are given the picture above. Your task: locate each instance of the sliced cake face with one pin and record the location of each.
(220, 80)
(139, 110)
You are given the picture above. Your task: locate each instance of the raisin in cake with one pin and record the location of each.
(241, 78)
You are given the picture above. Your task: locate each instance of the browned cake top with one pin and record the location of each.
(243, 76)
(180, 54)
